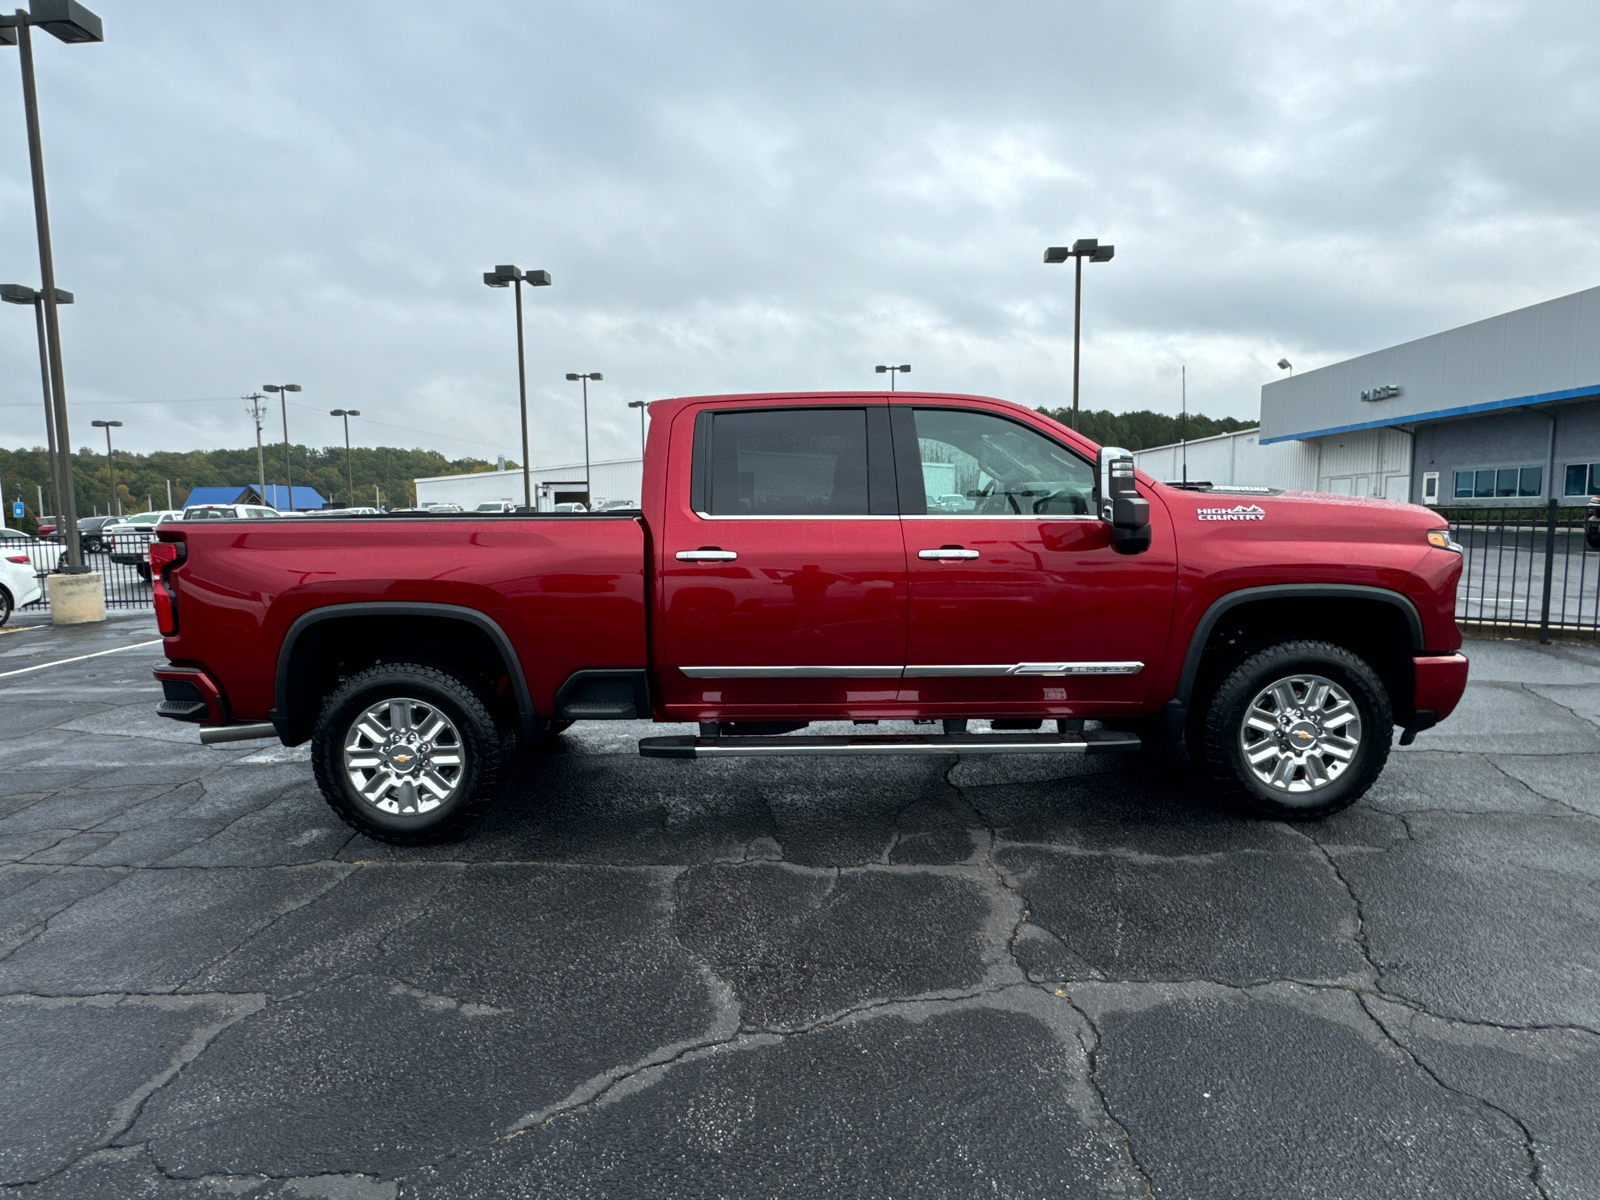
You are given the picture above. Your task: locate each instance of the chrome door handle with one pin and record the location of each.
(947, 552)
(707, 554)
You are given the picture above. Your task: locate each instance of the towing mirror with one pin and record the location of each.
(1121, 506)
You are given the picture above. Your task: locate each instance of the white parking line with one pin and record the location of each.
(61, 662)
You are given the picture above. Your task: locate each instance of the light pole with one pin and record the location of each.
(283, 390)
(347, 413)
(641, 405)
(1285, 365)
(505, 276)
(16, 293)
(70, 22)
(257, 413)
(891, 372)
(1081, 249)
(111, 461)
(588, 487)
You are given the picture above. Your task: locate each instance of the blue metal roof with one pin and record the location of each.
(298, 499)
(221, 495)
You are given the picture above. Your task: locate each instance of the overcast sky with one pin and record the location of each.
(735, 196)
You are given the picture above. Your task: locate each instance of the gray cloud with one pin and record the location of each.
(736, 196)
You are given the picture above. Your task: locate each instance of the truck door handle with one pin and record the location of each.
(947, 552)
(707, 554)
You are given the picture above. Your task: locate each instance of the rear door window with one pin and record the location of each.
(799, 462)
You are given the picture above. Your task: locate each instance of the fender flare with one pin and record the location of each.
(527, 717)
(1175, 711)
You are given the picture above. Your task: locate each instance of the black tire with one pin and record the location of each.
(1218, 736)
(144, 571)
(6, 605)
(481, 747)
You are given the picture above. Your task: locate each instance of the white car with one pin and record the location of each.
(496, 506)
(19, 584)
(570, 507)
(229, 512)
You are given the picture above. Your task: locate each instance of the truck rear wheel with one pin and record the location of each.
(1297, 731)
(406, 754)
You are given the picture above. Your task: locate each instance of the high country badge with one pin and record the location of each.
(1239, 512)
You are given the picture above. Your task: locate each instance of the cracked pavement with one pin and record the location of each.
(1026, 976)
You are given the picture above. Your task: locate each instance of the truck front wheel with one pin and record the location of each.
(406, 754)
(1297, 731)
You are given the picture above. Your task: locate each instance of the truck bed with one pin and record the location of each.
(567, 591)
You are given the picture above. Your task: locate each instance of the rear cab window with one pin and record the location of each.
(793, 462)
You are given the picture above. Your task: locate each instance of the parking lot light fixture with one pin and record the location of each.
(1285, 365)
(892, 371)
(68, 21)
(1081, 249)
(282, 390)
(111, 460)
(16, 293)
(641, 405)
(585, 376)
(507, 276)
(347, 413)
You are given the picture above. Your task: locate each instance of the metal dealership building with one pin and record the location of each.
(1491, 413)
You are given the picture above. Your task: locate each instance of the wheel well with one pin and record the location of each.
(329, 651)
(1374, 630)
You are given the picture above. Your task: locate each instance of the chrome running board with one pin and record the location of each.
(1094, 741)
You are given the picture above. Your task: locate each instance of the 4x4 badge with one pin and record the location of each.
(1239, 512)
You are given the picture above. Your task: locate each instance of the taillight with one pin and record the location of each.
(162, 556)
(17, 558)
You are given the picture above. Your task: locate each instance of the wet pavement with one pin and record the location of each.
(1020, 977)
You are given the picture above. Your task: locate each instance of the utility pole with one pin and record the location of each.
(257, 414)
(169, 495)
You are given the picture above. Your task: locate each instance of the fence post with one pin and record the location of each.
(1549, 567)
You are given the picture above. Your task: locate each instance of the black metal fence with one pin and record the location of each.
(125, 583)
(1503, 578)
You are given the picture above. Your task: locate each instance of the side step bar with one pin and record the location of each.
(1094, 741)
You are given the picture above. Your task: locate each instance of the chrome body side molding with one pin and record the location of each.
(960, 670)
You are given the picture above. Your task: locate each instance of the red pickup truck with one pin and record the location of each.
(839, 556)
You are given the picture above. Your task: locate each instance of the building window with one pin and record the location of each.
(1504, 483)
(1583, 479)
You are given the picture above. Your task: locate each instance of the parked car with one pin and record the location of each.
(48, 526)
(570, 506)
(19, 578)
(91, 537)
(444, 508)
(618, 506)
(951, 502)
(129, 538)
(786, 569)
(496, 506)
(39, 551)
(230, 512)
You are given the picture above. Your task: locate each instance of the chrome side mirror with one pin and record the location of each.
(1121, 506)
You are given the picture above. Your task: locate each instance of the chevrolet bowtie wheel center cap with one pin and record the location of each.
(1300, 733)
(404, 757)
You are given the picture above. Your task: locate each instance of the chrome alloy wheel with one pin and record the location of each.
(1300, 733)
(404, 757)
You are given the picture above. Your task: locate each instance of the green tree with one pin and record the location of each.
(1142, 429)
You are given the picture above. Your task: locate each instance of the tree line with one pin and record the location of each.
(142, 479)
(1142, 429)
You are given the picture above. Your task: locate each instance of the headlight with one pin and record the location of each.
(1440, 539)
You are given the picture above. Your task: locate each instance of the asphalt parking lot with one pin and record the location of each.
(1021, 977)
